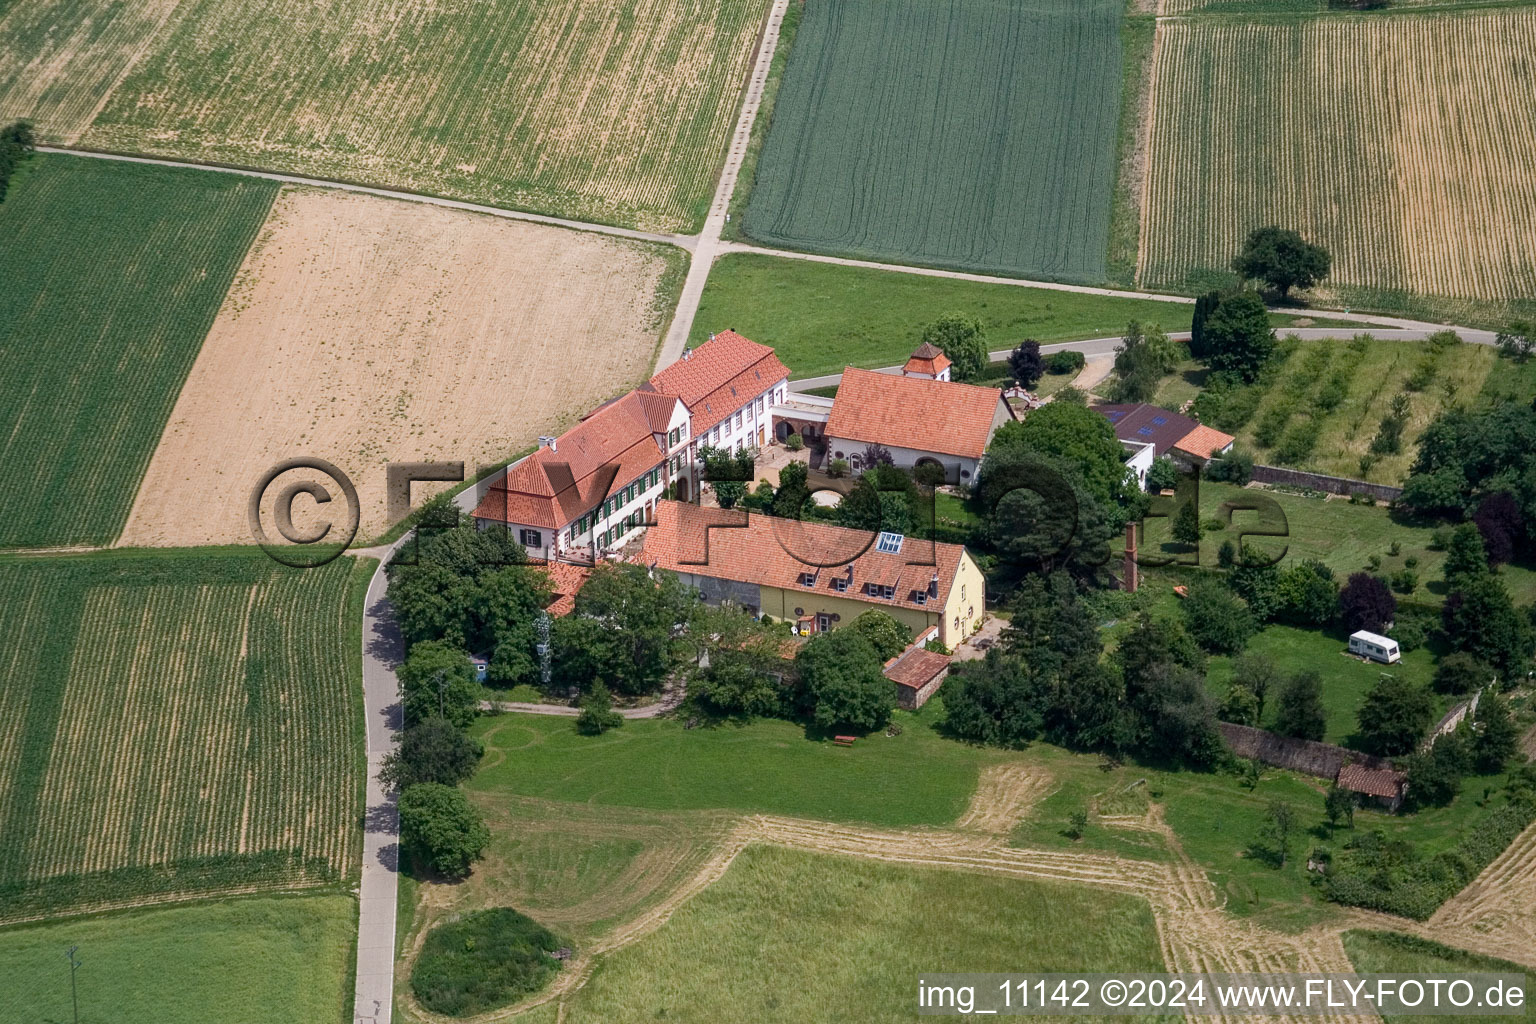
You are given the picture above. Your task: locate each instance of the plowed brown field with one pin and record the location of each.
(363, 331)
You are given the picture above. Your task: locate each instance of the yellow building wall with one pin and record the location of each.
(966, 603)
(781, 604)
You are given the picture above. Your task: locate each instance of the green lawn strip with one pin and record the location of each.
(257, 960)
(916, 778)
(785, 934)
(1341, 535)
(244, 653)
(820, 317)
(747, 174)
(1374, 952)
(113, 274)
(1136, 38)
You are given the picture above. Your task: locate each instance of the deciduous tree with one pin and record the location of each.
(1394, 716)
(963, 340)
(1282, 259)
(440, 827)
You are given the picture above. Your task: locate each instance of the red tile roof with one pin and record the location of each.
(910, 412)
(928, 358)
(719, 377)
(565, 581)
(1203, 442)
(916, 667)
(749, 548)
(554, 486)
(1372, 781)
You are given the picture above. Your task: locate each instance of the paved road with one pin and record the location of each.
(1093, 347)
(382, 652)
(685, 241)
(707, 245)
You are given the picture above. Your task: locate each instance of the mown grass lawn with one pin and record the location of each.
(768, 766)
(1346, 680)
(1375, 952)
(259, 960)
(820, 317)
(788, 935)
(1341, 535)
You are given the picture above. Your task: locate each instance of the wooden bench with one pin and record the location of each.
(844, 741)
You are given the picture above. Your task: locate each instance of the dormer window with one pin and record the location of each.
(808, 579)
(840, 584)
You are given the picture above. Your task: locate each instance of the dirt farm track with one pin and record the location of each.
(362, 331)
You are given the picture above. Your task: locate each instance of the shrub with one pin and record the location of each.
(794, 442)
(1065, 362)
(597, 714)
(1405, 581)
(1235, 467)
(1217, 619)
(837, 468)
(483, 960)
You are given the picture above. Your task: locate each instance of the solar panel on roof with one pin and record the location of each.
(1159, 420)
(889, 542)
(1145, 431)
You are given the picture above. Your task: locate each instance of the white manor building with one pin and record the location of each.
(582, 493)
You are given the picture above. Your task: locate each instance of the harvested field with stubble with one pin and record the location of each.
(1414, 185)
(604, 110)
(363, 331)
(174, 724)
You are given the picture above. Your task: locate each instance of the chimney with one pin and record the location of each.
(933, 587)
(1131, 581)
(548, 442)
(686, 353)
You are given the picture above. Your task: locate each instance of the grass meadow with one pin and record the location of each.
(1342, 536)
(1374, 952)
(176, 723)
(820, 317)
(605, 110)
(113, 274)
(1217, 818)
(786, 934)
(1431, 101)
(769, 767)
(978, 134)
(258, 960)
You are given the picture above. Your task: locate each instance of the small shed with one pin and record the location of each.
(917, 672)
(1384, 785)
(481, 664)
(1374, 646)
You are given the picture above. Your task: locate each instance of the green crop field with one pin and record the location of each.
(856, 935)
(261, 960)
(1431, 102)
(175, 723)
(606, 110)
(112, 275)
(977, 134)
